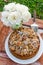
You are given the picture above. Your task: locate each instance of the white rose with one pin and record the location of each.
(14, 14)
(26, 16)
(14, 17)
(10, 7)
(21, 8)
(4, 18)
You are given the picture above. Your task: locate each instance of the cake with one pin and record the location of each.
(24, 43)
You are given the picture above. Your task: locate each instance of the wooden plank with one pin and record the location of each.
(38, 22)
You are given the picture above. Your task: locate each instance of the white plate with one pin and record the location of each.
(28, 61)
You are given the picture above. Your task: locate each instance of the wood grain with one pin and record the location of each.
(38, 22)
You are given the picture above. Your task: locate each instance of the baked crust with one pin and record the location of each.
(24, 43)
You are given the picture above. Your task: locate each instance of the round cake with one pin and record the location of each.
(24, 43)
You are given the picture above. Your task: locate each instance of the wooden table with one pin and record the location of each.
(4, 31)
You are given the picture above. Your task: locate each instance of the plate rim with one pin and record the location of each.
(28, 61)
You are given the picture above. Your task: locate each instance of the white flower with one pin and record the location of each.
(14, 17)
(26, 16)
(10, 7)
(21, 8)
(5, 14)
(14, 13)
(4, 18)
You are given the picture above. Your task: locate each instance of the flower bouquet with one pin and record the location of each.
(15, 14)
